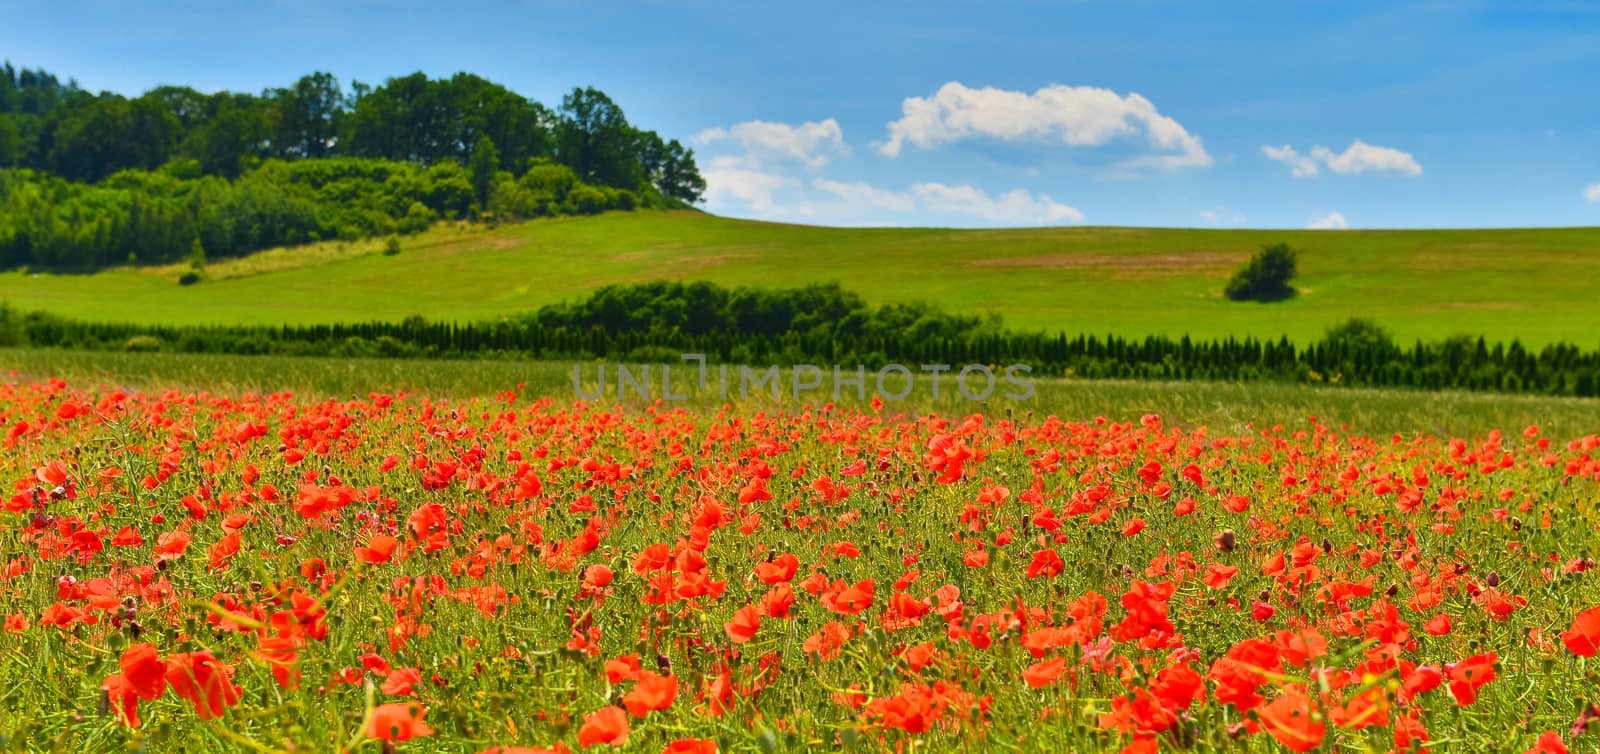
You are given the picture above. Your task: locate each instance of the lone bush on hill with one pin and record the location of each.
(1266, 276)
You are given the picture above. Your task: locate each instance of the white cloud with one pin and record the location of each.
(1592, 193)
(811, 144)
(1076, 116)
(1015, 207)
(867, 195)
(1359, 157)
(756, 193)
(1303, 167)
(729, 184)
(1330, 221)
(1222, 216)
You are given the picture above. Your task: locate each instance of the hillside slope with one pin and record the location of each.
(1534, 284)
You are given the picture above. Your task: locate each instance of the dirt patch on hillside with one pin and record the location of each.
(1124, 265)
(480, 243)
(674, 266)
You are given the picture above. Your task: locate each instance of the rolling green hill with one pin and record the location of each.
(1538, 285)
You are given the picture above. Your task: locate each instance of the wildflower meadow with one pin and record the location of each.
(187, 571)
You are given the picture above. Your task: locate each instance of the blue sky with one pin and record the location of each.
(1130, 112)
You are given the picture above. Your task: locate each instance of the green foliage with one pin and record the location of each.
(1361, 335)
(595, 140)
(484, 164)
(189, 278)
(52, 126)
(10, 143)
(703, 308)
(1266, 276)
(392, 246)
(12, 333)
(197, 256)
(50, 223)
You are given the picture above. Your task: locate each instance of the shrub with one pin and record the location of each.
(1266, 276)
(392, 247)
(11, 328)
(189, 278)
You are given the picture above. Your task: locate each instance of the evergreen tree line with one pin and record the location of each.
(1357, 353)
(462, 127)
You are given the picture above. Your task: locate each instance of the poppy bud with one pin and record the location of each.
(1516, 524)
(1224, 540)
(1493, 580)
(1392, 590)
(1327, 546)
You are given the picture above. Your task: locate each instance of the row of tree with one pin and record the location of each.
(822, 310)
(177, 213)
(1357, 353)
(52, 125)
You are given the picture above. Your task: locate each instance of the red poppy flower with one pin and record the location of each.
(204, 682)
(607, 725)
(652, 692)
(1584, 636)
(744, 625)
(398, 721)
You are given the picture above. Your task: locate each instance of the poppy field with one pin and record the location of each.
(267, 572)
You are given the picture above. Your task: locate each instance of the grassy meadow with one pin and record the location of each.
(1535, 285)
(1225, 406)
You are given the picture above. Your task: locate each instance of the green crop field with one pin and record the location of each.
(1536, 285)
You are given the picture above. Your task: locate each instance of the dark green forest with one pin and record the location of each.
(89, 180)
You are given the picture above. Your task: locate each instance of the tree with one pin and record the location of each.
(10, 142)
(111, 134)
(1266, 276)
(306, 116)
(485, 161)
(197, 256)
(670, 168)
(594, 139)
(232, 136)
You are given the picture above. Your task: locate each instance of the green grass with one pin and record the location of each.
(1223, 406)
(1531, 284)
